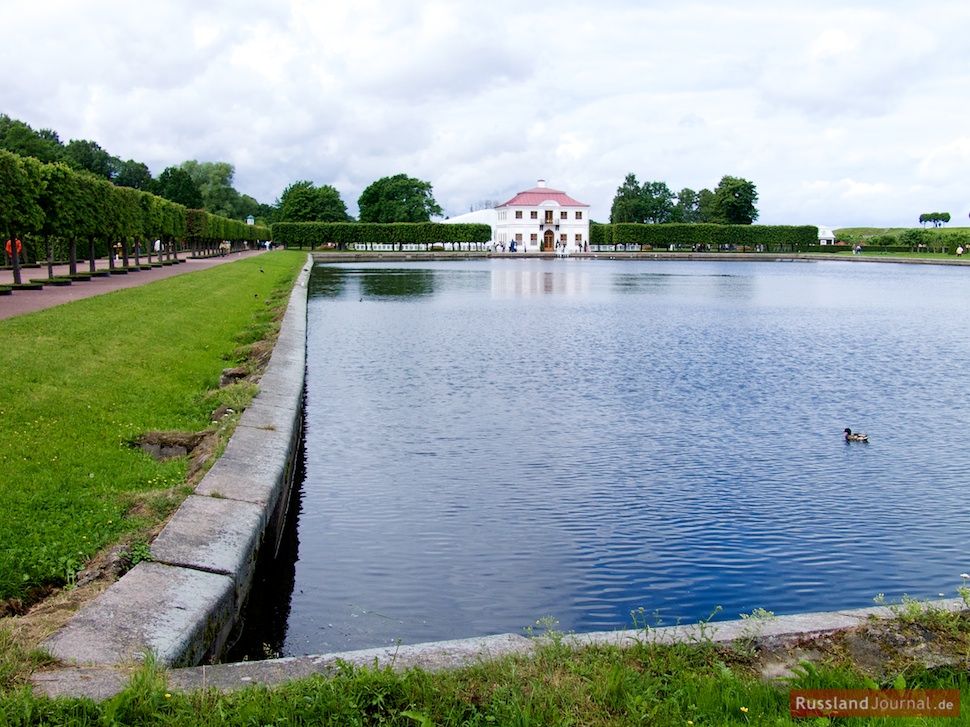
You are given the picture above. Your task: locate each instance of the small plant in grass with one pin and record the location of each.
(754, 627)
(138, 552)
(548, 631)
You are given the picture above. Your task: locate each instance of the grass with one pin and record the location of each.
(647, 683)
(82, 381)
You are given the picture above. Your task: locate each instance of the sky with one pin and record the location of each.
(843, 114)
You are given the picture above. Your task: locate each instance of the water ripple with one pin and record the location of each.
(656, 436)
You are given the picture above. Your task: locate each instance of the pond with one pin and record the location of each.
(489, 443)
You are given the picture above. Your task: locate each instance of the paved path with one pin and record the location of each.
(28, 301)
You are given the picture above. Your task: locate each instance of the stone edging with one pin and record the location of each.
(101, 683)
(182, 605)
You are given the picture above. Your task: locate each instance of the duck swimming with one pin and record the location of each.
(857, 437)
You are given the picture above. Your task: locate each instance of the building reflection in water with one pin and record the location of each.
(526, 281)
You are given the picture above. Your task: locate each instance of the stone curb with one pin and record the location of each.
(103, 683)
(182, 605)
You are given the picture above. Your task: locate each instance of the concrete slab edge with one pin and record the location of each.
(183, 605)
(456, 654)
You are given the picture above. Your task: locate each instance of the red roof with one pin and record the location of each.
(537, 195)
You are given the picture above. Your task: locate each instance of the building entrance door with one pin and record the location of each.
(547, 241)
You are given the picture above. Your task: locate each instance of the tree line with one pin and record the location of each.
(937, 218)
(193, 184)
(731, 203)
(398, 198)
(47, 204)
(209, 185)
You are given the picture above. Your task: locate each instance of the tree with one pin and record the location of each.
(302, 202)
(19, 138)
(628, 202)
(706, 206)
(658, 202)
(734, 201)
(135, 175)
(687, 208)
(21, 184)
(176, 185)
(214, 180)
(651, 202)
(398, 199)
(89, 156)
(937, 218)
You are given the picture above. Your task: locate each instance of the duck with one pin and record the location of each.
(857, 437)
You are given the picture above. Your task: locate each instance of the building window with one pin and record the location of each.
(548, 217)
(518, 237)
(563, 215)
(562, 238)
(534, 237)
(579, 238)
(518, 214)
(534, 214)
(579, 215)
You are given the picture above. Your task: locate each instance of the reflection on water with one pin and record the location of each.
(530, 278)
(408, 283)
(584, 438)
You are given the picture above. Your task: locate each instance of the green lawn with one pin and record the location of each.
(645, 684)
(81, 381)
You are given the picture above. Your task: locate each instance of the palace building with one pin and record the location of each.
(542, 219)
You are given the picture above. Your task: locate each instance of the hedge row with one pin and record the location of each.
(714, 237)
(343, 234)
(202, 226)
(41, 204)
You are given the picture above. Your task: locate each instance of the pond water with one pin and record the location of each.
(489, 443)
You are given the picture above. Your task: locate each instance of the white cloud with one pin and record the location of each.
(946, 163)
(834, 109)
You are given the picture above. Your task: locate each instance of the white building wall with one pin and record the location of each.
(529, 231)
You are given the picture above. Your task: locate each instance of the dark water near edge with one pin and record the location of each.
(492, 442)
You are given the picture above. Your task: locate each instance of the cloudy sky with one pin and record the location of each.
(842, 113)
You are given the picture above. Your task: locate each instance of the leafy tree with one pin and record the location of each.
(214, 180)
(706, 206)
(398, 199)
(628, 202)
(937, 218)
(914, 238)
(658, 202)
(247, 206)
(89, 156)
(687, 208)
(135, 175)
(650, 202)
(19, 138)
(302, 202)
(734, 201)
(176, 185)
(21, 183)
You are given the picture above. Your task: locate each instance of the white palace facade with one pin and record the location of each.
(536, 220)
(542, 219)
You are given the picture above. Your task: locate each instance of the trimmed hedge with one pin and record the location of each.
(50, 207)
(203, 226)
(344, 234)
(769, 238)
